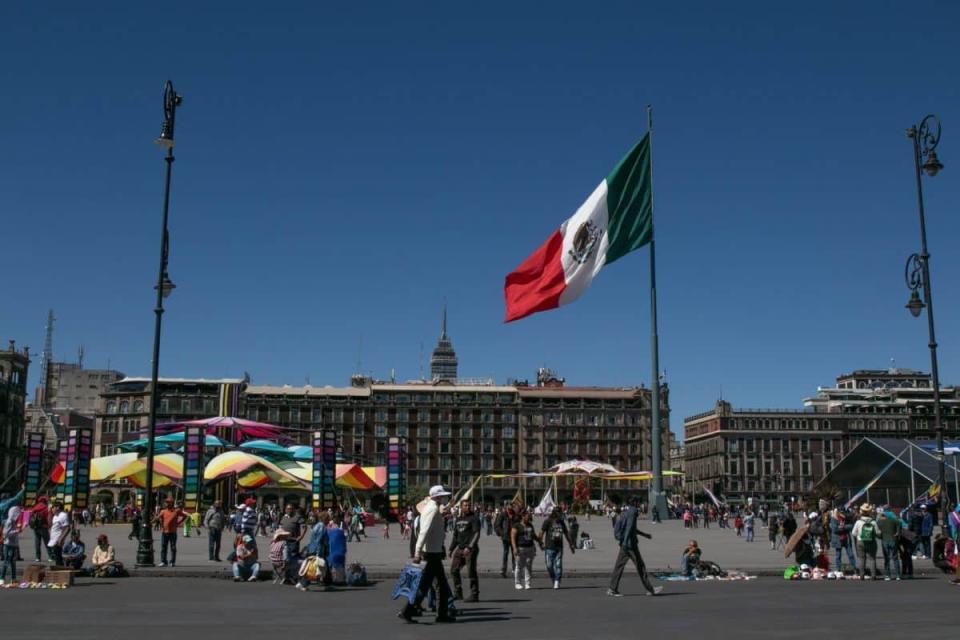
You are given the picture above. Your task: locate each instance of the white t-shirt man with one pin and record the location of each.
(61, 522)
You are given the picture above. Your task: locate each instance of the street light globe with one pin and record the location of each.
(915, 305)
(167, 287)
(932, 166)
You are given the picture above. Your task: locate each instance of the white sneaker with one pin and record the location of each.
(556, 584)
(162, 564)
(252, 579)
(526, 586)
(518, 587)
(656, 591)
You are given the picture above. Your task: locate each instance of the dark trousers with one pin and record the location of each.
(460, 558)
(168, 540)
(906, 550)
(213, 542)
(507, 554)
(432, 571)
(40, 539)
(56, 554)
(622, 558)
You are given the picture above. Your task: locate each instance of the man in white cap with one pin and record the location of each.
(429, 547)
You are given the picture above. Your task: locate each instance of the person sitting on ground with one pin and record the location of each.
(74, 552)
(690, 558)
(104, 562)
(247, 565)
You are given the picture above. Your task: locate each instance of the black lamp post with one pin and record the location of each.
(171, 100)
(925, 138)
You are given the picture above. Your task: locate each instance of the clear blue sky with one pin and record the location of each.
(341, 170)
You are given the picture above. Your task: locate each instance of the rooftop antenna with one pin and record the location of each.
(443, 324)
(46, 358)
(80, 357)
(893, 364)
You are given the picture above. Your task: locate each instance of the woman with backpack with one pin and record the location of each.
(865, 534)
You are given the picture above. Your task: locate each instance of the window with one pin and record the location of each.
(316, 416)
(423, 446)
(109, 426)
(186, 406)
(403, 431)
(131, 426)
(294, 415)
(466, 446)
(108, 449)
(164, 405)
(804, 467)
(380, 446)
(274, 414)
(751, 467)
(734, 467)
(358, 430)
(509, 447)
(111, 407)
(253, 414)
(208, 407)
(337, 415)
(445, 431)
(487, 431)
(804, 446)
(445, 447)
(423, 462)
(380, 430)
(124, 407)
(734, 446)
(508, 432)
(508, 416)
(138, 406)
(767, 445)
(381, 414)
(446, 463)
(358, 415)
(466, 462)
(403, 415)
(828, 446)
(423, 431)
(423, 415)
(466, 432)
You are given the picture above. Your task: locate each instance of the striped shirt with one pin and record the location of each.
(248, 521)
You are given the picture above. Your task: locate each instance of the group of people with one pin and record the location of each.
(521, 539)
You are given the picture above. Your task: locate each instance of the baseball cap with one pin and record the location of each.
(437, 491)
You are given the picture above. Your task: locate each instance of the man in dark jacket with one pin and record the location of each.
(213, 520)
(463, 550)
(553, 535)
(502, 526)
(625, 531)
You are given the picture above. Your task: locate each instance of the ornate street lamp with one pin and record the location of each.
(171, 100)
(925, 137)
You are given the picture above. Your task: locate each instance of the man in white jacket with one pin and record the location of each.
(429, 547)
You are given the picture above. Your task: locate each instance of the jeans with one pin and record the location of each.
(213, 542)
(554, 560)
(10, 553)
(168, 540)
(40, 539)
(432, 572)
(749, 534)
(853, 559)
(925, 541)
(56, 554)
(685, 568)
(868, 550)
(460, 558)
(622, 558)
(523, 570)
(507, 553)
(890, 555)
(246, 572)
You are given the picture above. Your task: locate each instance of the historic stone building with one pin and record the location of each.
(13, 395)
(775, 454)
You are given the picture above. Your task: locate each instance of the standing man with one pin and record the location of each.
(502, 527)
(247, 518)
(889, 526)
(170, 518)
(59, 531)
(626, 533)
(213, 520)
(293, 523)
(429, 546)
(926, 531)
(553, 534)
(464, 550)
(40, 523)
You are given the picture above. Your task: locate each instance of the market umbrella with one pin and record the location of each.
(105, 466)
(167, 464)
(238, 462)
(267, 446)
(583, 466)
(795, 540)
(139, 479)
(377, 474)
(255, 478)
(352, 475)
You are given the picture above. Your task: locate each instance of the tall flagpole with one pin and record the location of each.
(656, 497)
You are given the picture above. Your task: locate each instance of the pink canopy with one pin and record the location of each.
(242, 429)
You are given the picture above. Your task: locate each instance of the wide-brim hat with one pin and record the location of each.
(437, 491)
(866, 508)
(281, 533)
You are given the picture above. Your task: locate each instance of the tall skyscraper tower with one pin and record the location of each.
(443, 361)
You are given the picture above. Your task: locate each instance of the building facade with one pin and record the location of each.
(778, 454)
(13, 397)
(70, 387)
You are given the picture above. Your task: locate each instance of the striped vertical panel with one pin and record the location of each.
(81, 491)
(31, 481)
(193, 444)
(397, 474)
(324, 469)
(62, 461)
(70, 470)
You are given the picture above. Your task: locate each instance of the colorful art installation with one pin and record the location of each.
(324, 469)
(76, 479)
(31, 483)
(396, 474)
(60, 471)
(193, 445)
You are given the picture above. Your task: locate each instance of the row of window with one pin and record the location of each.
(115, 426)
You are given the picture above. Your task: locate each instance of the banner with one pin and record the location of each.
(324, 468)
(546, 502)
(397, 474)
(31, 481)
(193, 443)
(713, 498)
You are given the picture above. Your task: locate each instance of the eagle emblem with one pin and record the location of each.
(584, 242)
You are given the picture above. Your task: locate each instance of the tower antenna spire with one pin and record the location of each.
(46, 359)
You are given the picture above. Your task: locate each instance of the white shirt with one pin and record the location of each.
(432, 531)
(61, 522)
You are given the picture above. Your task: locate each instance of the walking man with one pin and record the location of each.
(889, 526)
(429, 546)
(502, 527)
(464, 549)
(626, 533)
(553, 534)
(213, 521)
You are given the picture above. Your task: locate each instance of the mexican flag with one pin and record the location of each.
(616, 219)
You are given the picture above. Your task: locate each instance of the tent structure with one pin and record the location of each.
(889, 470)
(578, 466)
(239, 428)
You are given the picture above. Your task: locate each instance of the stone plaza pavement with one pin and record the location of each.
(384, 558)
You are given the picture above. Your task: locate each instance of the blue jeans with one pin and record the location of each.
(168, 540)
(213, 543)
(749, 534)
(244, 572)
(850, 556)
(554, 560)
(9, 558)
(890, 554)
